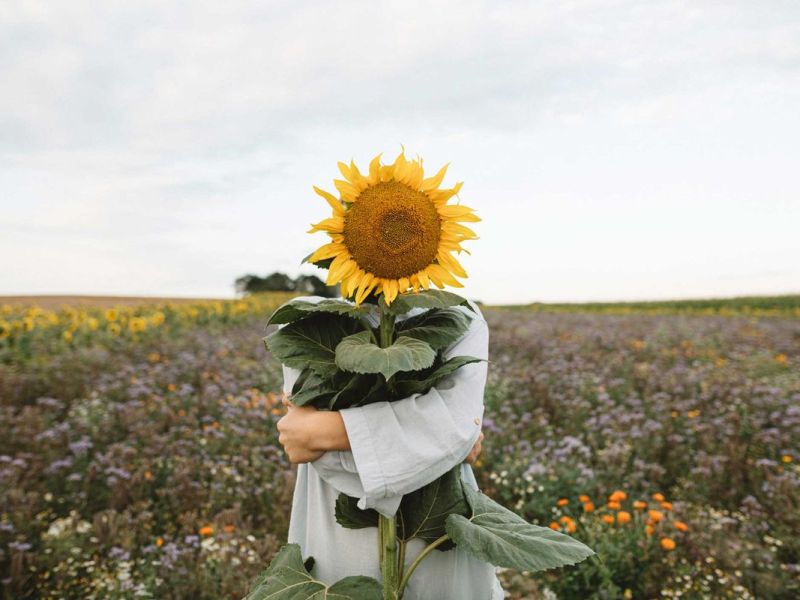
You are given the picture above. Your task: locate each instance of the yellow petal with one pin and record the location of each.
(340, 268)
(366, 280)
(415, 175)
(348, 192)
(366, 292)
(345, 170)
(423, 279)
(443, 275)
(327, 251)
(333, 225)
(459, 230)
(451, 264)
(442, 196)
(375, 170)
(431, 183)
(335, 203)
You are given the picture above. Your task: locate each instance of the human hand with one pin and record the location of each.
(475, 452)
(296, 436)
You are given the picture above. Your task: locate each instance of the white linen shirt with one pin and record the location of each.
(396, 448)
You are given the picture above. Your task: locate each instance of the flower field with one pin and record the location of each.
(140, 456)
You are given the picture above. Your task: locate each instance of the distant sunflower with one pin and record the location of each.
(392, 230)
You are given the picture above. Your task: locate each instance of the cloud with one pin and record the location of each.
(189, 134)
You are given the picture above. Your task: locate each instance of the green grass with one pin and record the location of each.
(787, 306)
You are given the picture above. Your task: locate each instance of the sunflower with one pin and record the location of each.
(392, 230)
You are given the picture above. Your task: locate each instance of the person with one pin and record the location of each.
(379, 452)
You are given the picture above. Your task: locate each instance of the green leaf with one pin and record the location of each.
(358, 388)
(287, 578)
(439, 327)
(312, 389)
(357, 354)
(497, 535)
(425, 299)
(350, 516)
(295, 310)
(405, 384)
(311, 342)
(423, 512)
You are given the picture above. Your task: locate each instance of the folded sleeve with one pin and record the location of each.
(398, 447)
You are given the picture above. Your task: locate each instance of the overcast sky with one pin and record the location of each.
(615, 150)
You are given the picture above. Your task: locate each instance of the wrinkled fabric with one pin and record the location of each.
(397, 447)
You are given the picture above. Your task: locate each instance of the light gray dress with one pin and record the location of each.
(397, 447)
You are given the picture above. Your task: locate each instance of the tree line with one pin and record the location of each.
(280, 282)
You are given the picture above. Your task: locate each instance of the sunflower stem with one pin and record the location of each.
(428, 549)
(387, 526)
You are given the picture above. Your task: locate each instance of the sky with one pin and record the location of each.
(616, 150)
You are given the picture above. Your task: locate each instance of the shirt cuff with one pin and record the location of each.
(365, 455)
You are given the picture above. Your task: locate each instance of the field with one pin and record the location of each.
(140, 457)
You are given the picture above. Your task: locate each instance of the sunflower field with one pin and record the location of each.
(140, 456)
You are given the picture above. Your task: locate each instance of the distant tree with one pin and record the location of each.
(280, 282)
(311, 284)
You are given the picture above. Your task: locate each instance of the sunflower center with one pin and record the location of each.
(392, 231)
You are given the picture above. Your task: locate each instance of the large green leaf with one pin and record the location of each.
(357, 354)
(286, 578)
(497, 535)
(350, 516)
(437, 327)
(406, 384)
(359, 389)
(311, 342)
(425, 299)
(423, 512)
(312, 389)
(295, 310)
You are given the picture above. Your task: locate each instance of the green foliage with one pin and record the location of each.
(418, 383)
(422, 513)
(311, 342)
(425, 299)
(299, 309)
(495, 534)
(437, 327)
(286, 578)
(358, 354)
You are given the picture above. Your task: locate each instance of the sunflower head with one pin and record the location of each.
(392, 230)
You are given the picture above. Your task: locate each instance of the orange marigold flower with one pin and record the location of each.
(207, 530)
(608, 519)
(568, 523)
(648, 530)
(562, 502)
(667, 543)
(787, 458)
(623, 517)
(148, 475)
(639, 505)
(680, 526)
(228, 528)
(617, 496)
(588, 507)
(613, 505)
(584, 498)
(555, 526)
(159, 542)
(658, 497)
(655, 515)
(666, 505)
